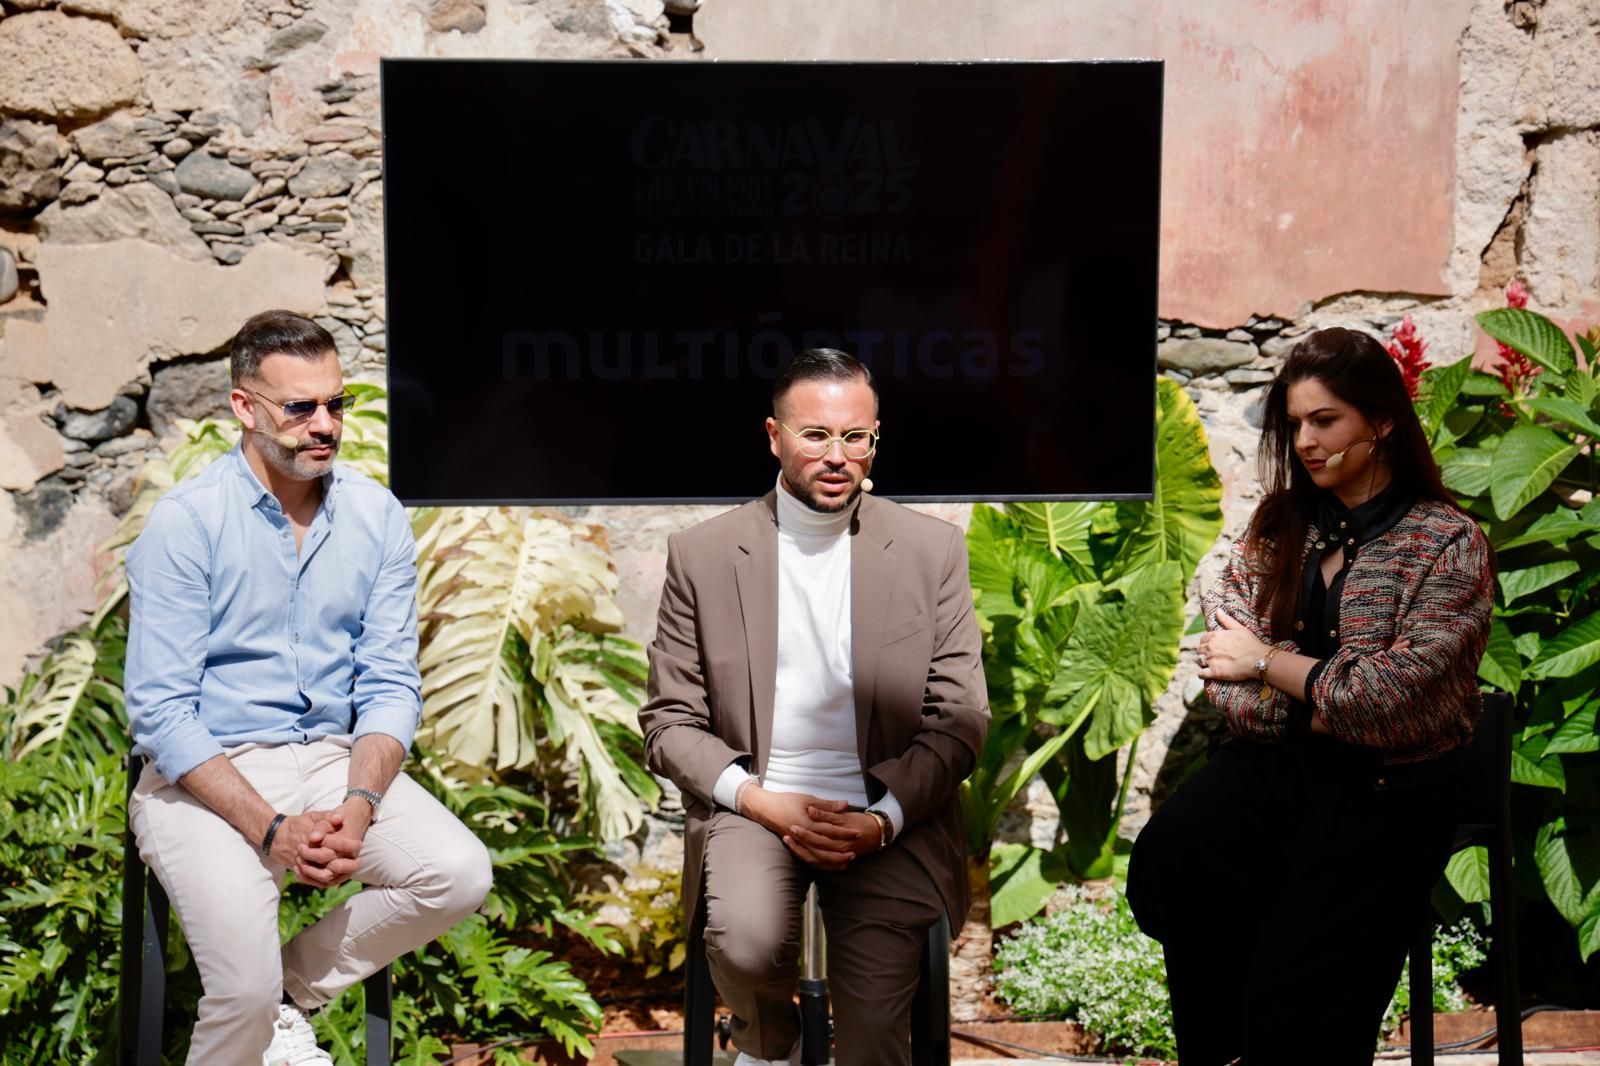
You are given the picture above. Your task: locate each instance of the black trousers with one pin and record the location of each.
(1284, 883)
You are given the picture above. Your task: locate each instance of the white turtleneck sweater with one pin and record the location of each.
(813, 747)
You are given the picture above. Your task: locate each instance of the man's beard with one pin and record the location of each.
(289, 462)
(814, 502)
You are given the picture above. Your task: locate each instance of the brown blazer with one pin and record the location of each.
(922, 709)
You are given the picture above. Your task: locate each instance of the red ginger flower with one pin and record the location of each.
(1408, 349)
(1517, 371)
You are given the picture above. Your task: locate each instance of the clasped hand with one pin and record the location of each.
(818, 831)
(323, 848)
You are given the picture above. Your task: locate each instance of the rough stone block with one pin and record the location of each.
(94, 426)
(1561, 233)
(1204, 355)
(114, 137)
(465, 16)
(291, 38)
(29, 152)
(187, 388)
(63, 67)
(9, 280)
(164, 18)
(327, 175)
(213, 178)
(139, 211)
(116, 307)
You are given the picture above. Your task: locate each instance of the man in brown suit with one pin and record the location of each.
(816, 692)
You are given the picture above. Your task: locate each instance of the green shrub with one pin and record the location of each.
(1089, 962)
(1456, 950)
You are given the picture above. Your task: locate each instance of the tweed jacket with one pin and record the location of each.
(1428, 579)
(922, 708)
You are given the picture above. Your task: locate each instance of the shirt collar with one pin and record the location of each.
(1365, 521)
(260, 495)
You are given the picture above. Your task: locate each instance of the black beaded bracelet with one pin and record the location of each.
(272, 831)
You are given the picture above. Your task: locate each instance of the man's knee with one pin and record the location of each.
(757, 946)
(246, 1003)
(462, 876)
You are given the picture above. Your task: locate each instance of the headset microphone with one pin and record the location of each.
(866, 484)
(282, 440)
(1336, 460)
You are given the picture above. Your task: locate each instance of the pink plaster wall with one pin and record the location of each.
(1309, 143)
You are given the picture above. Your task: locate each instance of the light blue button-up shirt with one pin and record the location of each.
(233, 638)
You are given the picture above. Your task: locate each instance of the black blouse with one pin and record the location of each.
(1338, 529)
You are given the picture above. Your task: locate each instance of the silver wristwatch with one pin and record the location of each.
(373, 798)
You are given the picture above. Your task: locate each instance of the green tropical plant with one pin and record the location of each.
(646, 910)
(60, 904)
(1518, 451)
(513, 607)
(552, 696)
(1089, 963)
(1081, 606)
(1457, 949)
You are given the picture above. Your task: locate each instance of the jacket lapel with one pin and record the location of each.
(872, 570)
(756, 573)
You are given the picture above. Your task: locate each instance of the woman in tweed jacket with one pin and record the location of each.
(1284, 878)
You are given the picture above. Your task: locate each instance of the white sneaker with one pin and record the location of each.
(294, 1042)
(746, 1059)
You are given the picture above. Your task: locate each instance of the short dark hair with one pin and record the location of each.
(821, 364)
(275, 332)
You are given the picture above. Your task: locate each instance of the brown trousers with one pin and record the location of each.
(876, 914)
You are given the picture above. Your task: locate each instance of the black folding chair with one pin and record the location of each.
(1486, 822)
(146, 915)
(930, 1008)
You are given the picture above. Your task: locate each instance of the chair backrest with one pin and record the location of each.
(1487, 799)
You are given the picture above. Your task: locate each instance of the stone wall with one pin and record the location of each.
(166, 168)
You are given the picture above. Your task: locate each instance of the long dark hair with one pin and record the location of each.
(1355, 368)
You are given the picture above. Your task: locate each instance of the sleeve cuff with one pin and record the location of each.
(393, 720)
(726, 790)
(1311, 681)
(893, 811)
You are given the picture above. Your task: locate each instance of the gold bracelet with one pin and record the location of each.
(885, 827)
(1266, 663)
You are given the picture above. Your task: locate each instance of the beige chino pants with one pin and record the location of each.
(422, 872)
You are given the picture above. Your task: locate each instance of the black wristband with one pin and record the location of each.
(272, 831)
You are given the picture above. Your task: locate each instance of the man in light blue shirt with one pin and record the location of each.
(272, 684)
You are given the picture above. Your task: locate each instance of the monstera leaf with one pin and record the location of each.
(501, 592)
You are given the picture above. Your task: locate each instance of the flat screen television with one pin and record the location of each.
(595, 270)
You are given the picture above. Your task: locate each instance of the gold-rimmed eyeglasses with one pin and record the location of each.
(815, 441)
(298, 409)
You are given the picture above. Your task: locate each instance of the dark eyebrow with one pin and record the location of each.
(1314, 414)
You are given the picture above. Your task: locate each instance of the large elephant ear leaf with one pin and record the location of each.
(1181, 522)
(1121, 657)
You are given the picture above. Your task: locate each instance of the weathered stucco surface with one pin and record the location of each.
(1308, 146)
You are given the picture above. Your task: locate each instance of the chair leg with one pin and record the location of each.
(930, 1008)
(815, 1029)
(152, 971)
(380, 1014)
(132, 941)
(699, 1004)
(1422, 990)
(1503, 949)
